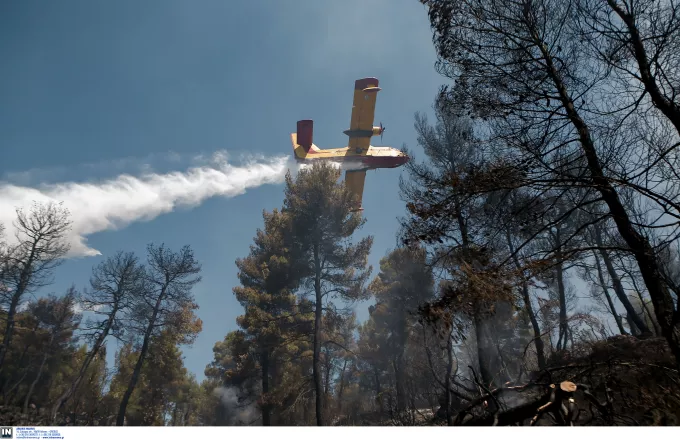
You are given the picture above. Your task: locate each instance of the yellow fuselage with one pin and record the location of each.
(368, 158)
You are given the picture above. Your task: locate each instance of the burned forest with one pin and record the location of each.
(534, 279)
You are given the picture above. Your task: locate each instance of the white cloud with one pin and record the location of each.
(115, 203)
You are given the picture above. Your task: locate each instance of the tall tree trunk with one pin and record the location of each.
(399, 364)
(563, 324)
(9, 329)
(328, 367)
(266, 408)
(449, 371)
(71, 390)
(342, 386)
(24, 279)
(186, 415)
(8, 396)
(640, 247)
(561, 293)
(76, 407)
(538, 340)
(120, 419)
(645, 308)
(316, 362)
(273, 381)
(484, 351)
(20, 362)
(174, 417)
(399, 383)
(38, 376)
(605, 290)
(378, 389)
(669, 108)
(618, 287)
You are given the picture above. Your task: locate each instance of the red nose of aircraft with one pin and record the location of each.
(402, 158)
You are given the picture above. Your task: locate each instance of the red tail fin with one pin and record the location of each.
(305, 133)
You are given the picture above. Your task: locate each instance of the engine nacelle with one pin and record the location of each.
(376, 131)
(305, 133)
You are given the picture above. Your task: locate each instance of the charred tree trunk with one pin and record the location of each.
(605, 290)
(378, 389)
(41, 369)
(342, 386)
(618, 287)
(120, 419)
(667, 106)
(563, 333)
(31, 388)
(621, 295)
(266, 408)
(328, 367)
(640, 247)
(316, 361)
(5, 391)
(538, 341)
(484, 351)
(24, 280)
(273, 380)
(449, 372)
(9, 395)
(70, 391)
(399, 366)
(563, 324)
(9, 329)
(399, 378)
(645, 308)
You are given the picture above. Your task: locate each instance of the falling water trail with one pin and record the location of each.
(115, 203)
(341, 165)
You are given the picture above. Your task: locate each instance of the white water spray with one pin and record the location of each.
(115, 203)
(341, 165)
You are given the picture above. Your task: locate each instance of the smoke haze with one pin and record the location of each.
(236, 413)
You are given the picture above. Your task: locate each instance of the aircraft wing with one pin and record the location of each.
(354, 180)
(363, 112)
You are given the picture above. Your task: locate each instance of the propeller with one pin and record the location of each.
(382, 130)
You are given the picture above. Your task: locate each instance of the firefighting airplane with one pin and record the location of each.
(359, 154)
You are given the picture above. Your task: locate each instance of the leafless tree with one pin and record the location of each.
(640, 41)
(29, 264)
(115, 286)
(451, 149)
(169, 279)
(522, 67)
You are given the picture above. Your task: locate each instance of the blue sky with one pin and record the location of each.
(92, 89)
